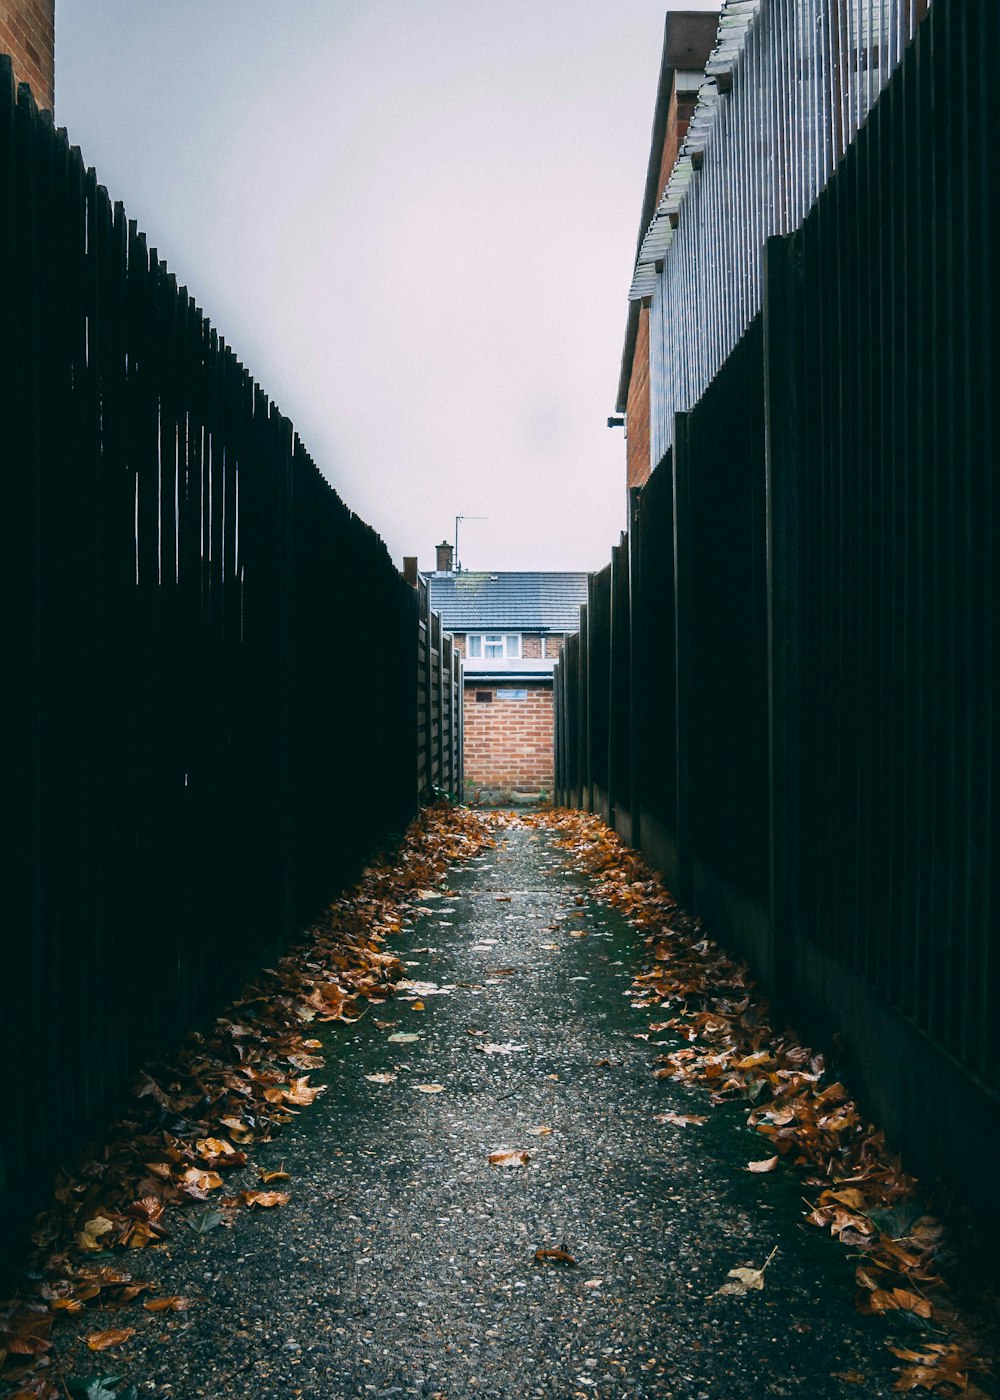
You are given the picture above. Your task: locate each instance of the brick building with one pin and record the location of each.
(27, 33)
(688, 40)
(509, 628)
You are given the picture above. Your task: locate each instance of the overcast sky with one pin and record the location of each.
(414, 221)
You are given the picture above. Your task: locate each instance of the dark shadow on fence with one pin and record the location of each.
(800, 727)
(212, 667)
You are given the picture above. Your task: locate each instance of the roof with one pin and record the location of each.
(687, 37)
(521, 602)
(735, 19)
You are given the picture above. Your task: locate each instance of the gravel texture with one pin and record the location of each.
(404, 1263)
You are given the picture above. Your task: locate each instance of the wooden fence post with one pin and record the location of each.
(782, 349)
(681, 469)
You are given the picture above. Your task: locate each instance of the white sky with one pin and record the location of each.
(413, 220)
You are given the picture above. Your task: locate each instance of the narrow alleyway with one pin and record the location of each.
(404, 1262)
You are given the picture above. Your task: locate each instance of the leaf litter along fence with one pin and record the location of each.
(211, 679)
(783, 688)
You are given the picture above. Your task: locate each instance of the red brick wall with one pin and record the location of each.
(679, 115)
(27, 33)
(508, 743)
(637, 411)
(637, 464)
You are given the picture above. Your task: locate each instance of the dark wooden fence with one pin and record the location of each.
(211, 665)
(439, 707)
(803, 718)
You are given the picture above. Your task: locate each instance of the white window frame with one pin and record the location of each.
(503, 646)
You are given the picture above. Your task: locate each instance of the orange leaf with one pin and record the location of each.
(266, 1198)
(509, 1159)
(558, 1256)
(113, 1337)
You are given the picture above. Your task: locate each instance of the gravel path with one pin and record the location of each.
(404, 1263)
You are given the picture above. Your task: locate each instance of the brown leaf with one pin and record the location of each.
(266, 1199)
(213, 1147)
(767, 1164)
(112, 1337)
(173, 1304)
(300, 1093)
(269, 1178)
(429, 1088)
(509, 1158)
(558, 1256)
(201, 1180)
(682, 1120)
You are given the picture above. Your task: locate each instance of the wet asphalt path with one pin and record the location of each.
(404, 1263)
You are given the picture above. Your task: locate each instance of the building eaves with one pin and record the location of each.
(734, 21)
(682, 41)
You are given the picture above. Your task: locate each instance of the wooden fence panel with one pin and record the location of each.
(813, 655)
(198, 759)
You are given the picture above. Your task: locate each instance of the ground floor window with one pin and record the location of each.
(494, 646)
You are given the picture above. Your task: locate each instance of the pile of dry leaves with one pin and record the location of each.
(861, 1194)
(193, 1120)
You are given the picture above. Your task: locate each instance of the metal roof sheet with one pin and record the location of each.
(734, 21)
(518, 602)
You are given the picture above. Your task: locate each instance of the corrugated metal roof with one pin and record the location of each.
(519, 602)
(735, 19)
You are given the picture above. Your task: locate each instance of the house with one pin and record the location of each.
(509, 627)
(688, 40)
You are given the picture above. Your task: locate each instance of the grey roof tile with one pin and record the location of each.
(521, 602)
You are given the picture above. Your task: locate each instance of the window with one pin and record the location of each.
(494, 646)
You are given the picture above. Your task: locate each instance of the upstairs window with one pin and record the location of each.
(494, 646)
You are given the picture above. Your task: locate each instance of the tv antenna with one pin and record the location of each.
(458, 567)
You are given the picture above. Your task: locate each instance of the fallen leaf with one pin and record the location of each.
(851, 1377)
(429, 1088)
(507, 1048)
(556, 1256)
(173, 1304)
(201, 1181)
(682, 1120)
(96, 1388)
(404, 1037)
(540, 1131)
(509, 1159)
(213, 1147)
(269, 1178)
(767, 1164)
(593, 1283)
(302, 1093)
(112, 1337)
(417, 1006)
(267, 1199)
(93, 1232)
(743, 1281)
(208, 1220)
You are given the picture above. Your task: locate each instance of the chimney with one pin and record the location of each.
(410, 569)
(445, 558)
